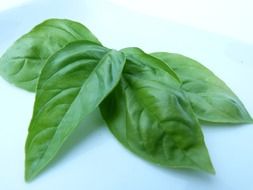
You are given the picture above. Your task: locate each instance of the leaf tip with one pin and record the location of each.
(207, 167)
(31, 172)
(211, 170)
(29, 176)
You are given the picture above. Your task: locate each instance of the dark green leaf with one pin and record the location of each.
(22, 62)
(211, 98)
(72, 84)
(150, 115)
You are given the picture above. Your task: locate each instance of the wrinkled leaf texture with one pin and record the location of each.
(150, 115)
(211, 99)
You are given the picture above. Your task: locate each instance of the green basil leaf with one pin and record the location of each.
(212, 100)
(150, 115)
(21, 64)
(72, 84)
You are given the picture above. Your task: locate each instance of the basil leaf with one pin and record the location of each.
(22, 62)
(211, 99)
(150, 115)
(72, 84)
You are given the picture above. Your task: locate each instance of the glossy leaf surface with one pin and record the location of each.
(150, 115)
(211, 99)
(72, 84)
(21, 64)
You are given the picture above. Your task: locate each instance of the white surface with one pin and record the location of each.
(92, 158)
(4, 5)
(228, 17)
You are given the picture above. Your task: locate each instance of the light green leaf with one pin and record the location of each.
(21, 64)
(211, 99)
(72, 84)
(149, 114)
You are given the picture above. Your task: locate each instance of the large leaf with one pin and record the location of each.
(212, 100)
(72, 84)
(150, 115)
(22, 62)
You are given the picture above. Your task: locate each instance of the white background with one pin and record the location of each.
(217, 33)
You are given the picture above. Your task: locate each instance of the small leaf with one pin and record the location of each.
(21, 64)
(150, 115)
(211, 99)
(72, 84)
